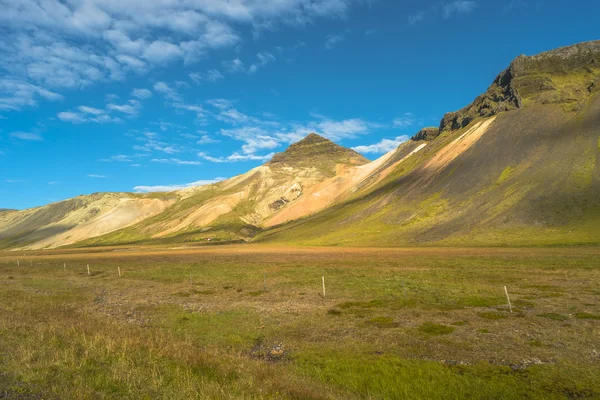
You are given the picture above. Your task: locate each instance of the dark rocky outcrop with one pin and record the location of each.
(565, 76)
(426, 134)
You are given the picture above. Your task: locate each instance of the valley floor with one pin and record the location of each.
(251, 322)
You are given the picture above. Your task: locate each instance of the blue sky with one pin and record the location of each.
(140, 95)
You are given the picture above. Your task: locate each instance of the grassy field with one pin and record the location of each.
(250, 322)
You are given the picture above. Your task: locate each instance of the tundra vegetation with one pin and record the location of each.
(249, 321)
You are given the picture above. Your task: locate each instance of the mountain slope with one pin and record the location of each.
(230, 210)
(518, 166)
(69, 221)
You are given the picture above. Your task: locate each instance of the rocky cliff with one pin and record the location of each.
(565, 76)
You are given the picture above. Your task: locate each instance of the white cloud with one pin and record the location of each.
(169, 188)
(414, 19)
(49, 46)
(199, 110)
(29, 136)
(249, 157)
(405, 121)
(152, 143)
(205, 139)
(162, 52)
(458, 7)
(211, 76)
(254, 138)
(96, 176)
(70, 116)
(236, 157)
(333, 40)
(130, 108)
(263, 59)
(117, 158)
(349, 128)
(167, 91)
(16, 93)
(214, 75)
(384, 146)
(175, 161)
(90, 110)
(141, 94)
(234, 66)
(87, 114)
(221, 104)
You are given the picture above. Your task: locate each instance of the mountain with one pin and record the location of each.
(520, 165)
(230, 210)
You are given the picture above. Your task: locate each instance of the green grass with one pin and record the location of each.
(585, 315)
(554, 316)
(395, 324)
(508, 171)
(492, 315)
(433, 329)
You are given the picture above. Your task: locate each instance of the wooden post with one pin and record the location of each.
(65, 267)
(119, 269)
(508, 298)
(323, 278)
(30, 263)
(88, 268)
(18, 263)
(265, 282)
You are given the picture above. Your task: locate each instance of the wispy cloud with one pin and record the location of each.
(29, 136)
(167, 91)
(405, 121)
(414, 19)
(175, 161)
(234, 66)
(96, 176)
(458, 7)
(262, 60)
(117, 158)
(141, 94)
(205, 139)
(87, 114)
(56, 45)
(236, 157)
(211, 76)
(383, 146)
(333, 40)
(16, 93)
(131, 108)
(169, 188)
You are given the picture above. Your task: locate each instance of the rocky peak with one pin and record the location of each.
(317, 151)
(426, 134)
(565, 76)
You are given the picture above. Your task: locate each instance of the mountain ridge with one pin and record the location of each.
(519, 165)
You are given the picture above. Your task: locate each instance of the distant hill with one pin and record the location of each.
(230, 210)
(520, 165)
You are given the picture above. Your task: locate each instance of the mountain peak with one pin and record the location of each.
(316, 151)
